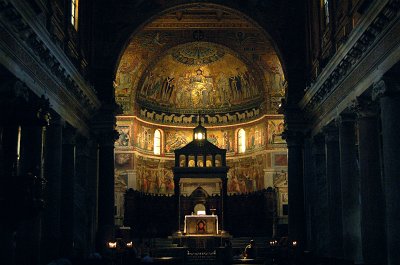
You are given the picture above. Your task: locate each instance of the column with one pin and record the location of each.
(68, 178)
(177, 195)
(297, 226)
(32, 182)
(224, 197)
(51, 234)
(106, 136)
(321, 205)
(334, 189)
(373, 237)
(350, 188)
(309, 193)
(8, 181)
(387, 91)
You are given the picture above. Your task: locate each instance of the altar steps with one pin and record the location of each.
(201, 257)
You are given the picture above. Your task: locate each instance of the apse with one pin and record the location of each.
(207, 64)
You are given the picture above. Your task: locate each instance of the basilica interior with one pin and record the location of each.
(174, 132)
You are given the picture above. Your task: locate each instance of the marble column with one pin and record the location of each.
(297, 227)
(334, 189)
(388, 92)
(106, 136)
(51, 236)
(321, 205)
(373, 237)
(8, 196)
(224, 198)
(32, 161)
(68, 178)
(177, 195)
(309, 193)
(350, 184)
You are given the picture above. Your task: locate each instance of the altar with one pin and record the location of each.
(201, 225)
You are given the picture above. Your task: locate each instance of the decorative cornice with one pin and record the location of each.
(346, 59)
(27, 40)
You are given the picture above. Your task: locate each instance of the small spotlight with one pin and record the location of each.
(294, 243)
(112, 244)
(129, 244)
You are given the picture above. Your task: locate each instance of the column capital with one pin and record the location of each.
(104, 122)
(293, 138)
(318, 147)
(106, 137)
(364, 107)
(387, 86)
(69, 135)
(331, 132)
(344, 117)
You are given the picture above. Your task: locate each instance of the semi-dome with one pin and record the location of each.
(200, 60)
(199, 77)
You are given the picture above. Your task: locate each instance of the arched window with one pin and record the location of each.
(241, 141)
(157, 142)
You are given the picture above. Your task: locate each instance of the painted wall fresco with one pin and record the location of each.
(256, 137)
(175, 139)
(125, 138)
(123, 161)
(154, 177)
(144, 138)
(196, 76)
(246, 175)
(275, 130)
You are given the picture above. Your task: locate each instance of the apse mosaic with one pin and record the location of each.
(198, 76)
(163, 74)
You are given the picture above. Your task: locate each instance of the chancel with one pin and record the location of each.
(178, 132)
(206, 167)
